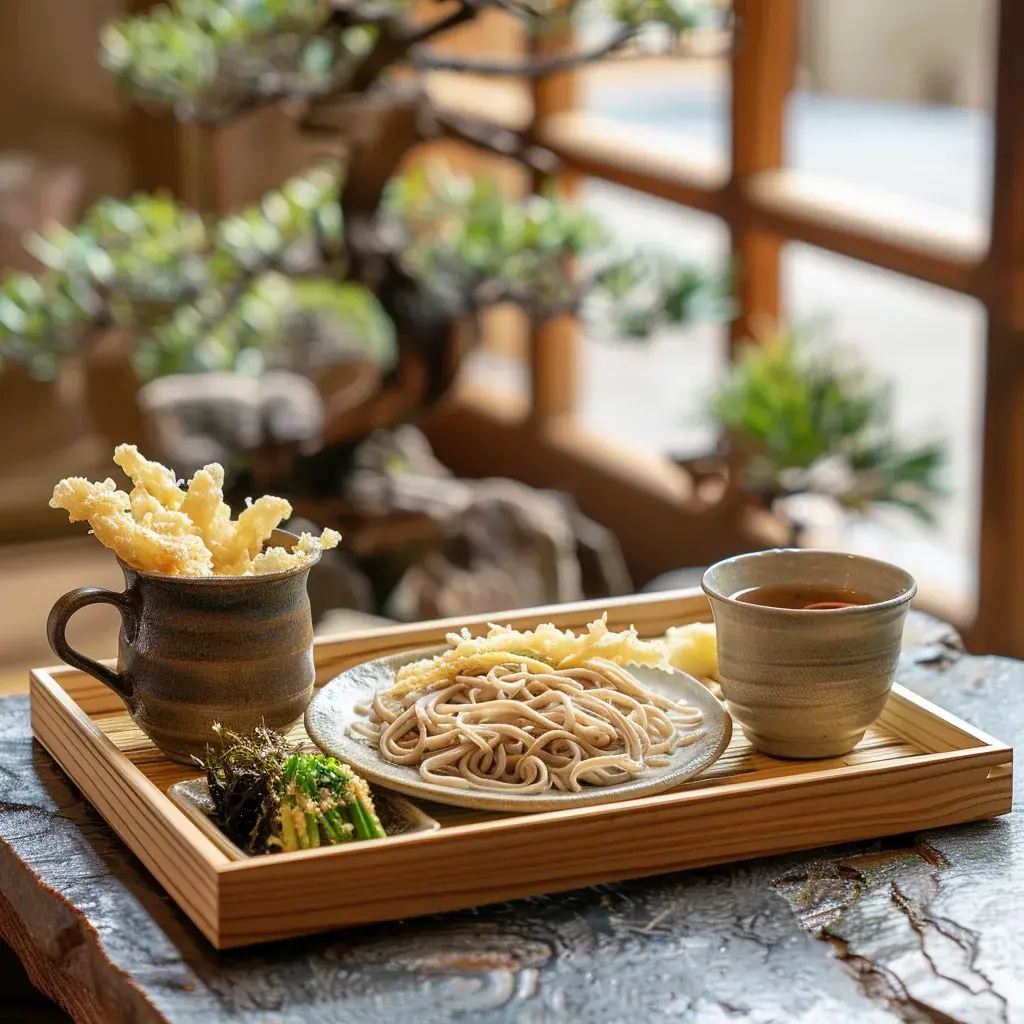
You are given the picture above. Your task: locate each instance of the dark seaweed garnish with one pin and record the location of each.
(242, 777)
(268, 796)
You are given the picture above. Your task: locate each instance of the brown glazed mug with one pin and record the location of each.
(192, 652)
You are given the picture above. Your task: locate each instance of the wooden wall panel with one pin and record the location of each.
(55, 99)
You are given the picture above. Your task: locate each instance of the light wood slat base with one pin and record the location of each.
(918, 767)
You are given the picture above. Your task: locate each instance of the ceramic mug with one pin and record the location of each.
(194, 651)
(807, 683)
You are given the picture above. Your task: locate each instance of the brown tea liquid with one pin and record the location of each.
(803, 597)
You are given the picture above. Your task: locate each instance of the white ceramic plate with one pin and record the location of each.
(333, 710)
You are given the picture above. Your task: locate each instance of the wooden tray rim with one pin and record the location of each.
(214, 870)
(987, 750)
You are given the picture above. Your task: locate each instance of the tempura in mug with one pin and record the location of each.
(161, 527)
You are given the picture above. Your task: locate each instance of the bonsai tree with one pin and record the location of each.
(811, 423)
(348, 256)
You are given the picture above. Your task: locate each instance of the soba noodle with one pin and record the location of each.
(524, 730)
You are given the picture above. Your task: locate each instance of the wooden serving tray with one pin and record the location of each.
(917, 768)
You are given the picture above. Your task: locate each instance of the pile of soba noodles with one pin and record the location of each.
(529, 712)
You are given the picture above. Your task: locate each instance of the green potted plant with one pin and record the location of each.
(808, 421)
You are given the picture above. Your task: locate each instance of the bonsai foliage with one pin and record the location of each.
(814, 425)
(197, 295)
(348, 255)
(214, 59)
(460, 238)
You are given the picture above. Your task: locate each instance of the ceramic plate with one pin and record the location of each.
(332, 711)
(397, 816)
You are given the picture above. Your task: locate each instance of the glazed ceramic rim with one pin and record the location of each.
(903, 597)
(211, 581)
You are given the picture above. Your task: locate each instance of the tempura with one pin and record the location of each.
(161, 527)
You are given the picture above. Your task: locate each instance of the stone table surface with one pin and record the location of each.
(919, 928)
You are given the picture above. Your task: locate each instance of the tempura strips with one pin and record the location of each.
(243, 540)
(146, 549)
(280, 559)
(159, 527)
(83, 499)
(545, 646)
(158, 480)
(691, 648)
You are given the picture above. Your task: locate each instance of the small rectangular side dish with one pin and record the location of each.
(917, 767)
(400, 817)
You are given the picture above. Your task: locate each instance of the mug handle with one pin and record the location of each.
(57, 624)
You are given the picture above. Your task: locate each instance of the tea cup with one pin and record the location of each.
(195, 651)
(807, 683)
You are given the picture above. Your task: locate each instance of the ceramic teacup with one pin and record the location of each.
(234, 650)
(807, 683)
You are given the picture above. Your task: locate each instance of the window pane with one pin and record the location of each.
(898, 97)
(929, 343)
(680, 104)
(653, 393)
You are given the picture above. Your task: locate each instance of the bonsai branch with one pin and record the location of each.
(534, 68)
(501, 293)
(519, 10)
(466, 12)
(392, 45)
(495, 139)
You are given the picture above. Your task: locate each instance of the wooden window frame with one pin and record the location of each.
(764, 204)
